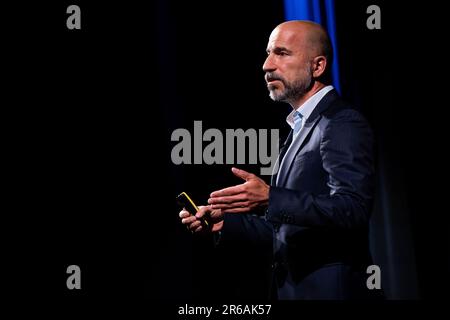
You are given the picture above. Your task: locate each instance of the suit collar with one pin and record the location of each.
(326, 101)
(307, 108)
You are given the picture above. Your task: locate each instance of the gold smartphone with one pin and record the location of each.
(186, 202)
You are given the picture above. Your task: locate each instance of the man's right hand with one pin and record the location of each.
(194, 223)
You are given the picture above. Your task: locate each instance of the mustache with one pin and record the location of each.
(270, 76)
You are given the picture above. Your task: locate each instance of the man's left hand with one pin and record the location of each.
(253, 193)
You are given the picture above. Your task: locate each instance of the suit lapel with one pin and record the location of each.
(295, 149)
(283, 150)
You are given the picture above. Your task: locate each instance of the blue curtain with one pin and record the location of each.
(322, 12)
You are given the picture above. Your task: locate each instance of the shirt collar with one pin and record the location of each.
(308, 106)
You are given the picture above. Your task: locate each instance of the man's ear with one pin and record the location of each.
(319, 66)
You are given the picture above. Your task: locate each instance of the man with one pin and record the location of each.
(318, 205)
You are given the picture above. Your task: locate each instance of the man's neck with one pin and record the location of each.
(315, 88)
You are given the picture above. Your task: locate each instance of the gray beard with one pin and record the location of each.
(292, 92)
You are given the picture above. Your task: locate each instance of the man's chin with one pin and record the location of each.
(275, 95)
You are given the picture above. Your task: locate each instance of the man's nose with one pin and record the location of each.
(268, 65)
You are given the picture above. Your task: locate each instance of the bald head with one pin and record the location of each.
(311, 36)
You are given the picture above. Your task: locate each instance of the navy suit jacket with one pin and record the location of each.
(317, 219)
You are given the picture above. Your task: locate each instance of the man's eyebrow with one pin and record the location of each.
(279, 49)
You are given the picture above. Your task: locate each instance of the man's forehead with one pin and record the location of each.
(284, 39)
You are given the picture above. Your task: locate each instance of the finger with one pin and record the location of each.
(222, 206)
(188, 220)
(242, 174)
(230, 191)
(184, 214)
(194, 225)
(200, 228)
(238, 210)
(228, 200)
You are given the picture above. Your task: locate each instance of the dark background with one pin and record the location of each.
(89, 116)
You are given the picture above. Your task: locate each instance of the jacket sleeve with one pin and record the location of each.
(246, 229)
(346, 151)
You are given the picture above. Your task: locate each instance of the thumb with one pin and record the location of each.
(242, 174)
(202, 210)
